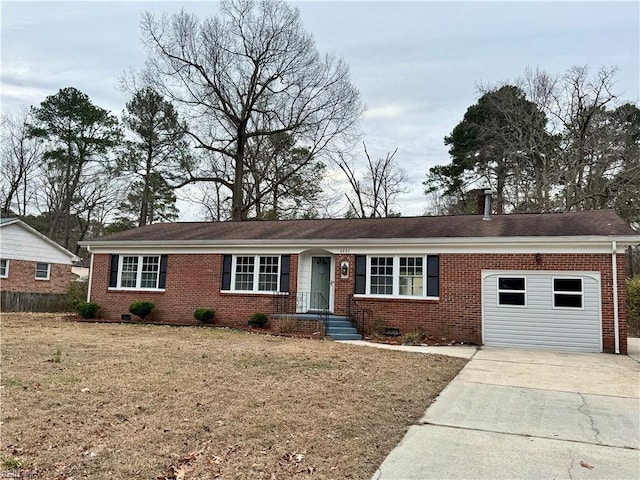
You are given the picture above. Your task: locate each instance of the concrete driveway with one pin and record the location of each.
(517, 414)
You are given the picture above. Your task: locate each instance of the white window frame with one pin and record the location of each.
(6, 268)
(506, 290)
(256, 274)
(566, 292)
(396, 277)
(393, 274)
(423, 267)
(48, 271)
(139, 272)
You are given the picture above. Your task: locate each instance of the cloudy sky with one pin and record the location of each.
(417, 64)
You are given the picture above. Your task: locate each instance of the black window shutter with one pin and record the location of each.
(285, 262)
(113, 271)
(433, 276)
(361, 274)
(162, 279)
(226, 272)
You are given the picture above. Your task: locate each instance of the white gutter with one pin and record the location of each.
(90, 279)
(329, 242)
(614, 270)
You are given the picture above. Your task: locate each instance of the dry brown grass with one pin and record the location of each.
(135, 401)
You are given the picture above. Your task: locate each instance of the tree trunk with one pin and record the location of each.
(237, 207)
(144, 203)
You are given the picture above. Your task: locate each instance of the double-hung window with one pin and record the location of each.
(139, 272)
(256, 273)
(43, 271)
(129, 272)
(4, 268)
(245, 273)
(413, 276)
(567, 292)
(381, 278)
(268, 274)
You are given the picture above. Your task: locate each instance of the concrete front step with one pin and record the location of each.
(340, 328)
(345, 336)
(339, 324)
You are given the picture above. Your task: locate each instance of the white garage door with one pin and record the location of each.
(530, 309)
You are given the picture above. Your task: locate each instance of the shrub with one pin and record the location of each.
(141, 309)
(77, 294)
(633, 305)
(412, 338)
(204, 315)
(378, 328)
(287, 324)
(258, 320)
(87, 309)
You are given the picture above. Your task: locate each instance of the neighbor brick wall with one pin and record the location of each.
(457, 315)
(22, 278)
(193, 281)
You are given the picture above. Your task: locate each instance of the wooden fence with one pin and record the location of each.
(33, 302)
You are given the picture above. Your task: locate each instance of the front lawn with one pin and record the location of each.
(83, 400)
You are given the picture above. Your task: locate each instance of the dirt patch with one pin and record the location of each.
(116, 401)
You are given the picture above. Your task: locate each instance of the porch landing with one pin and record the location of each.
(337, 327)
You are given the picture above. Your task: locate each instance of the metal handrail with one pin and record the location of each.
(358, 315)
(302, 302)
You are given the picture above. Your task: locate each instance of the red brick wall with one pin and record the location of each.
(22, 278)
(457, 315)
(194, 281)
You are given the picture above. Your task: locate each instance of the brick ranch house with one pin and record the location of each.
(30, 262)
(553, 280)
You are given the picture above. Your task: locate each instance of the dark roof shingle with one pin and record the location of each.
(585, 223)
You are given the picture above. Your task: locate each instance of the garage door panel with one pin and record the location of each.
(529, 320)
(542, 328)
(539, 324)
(549, 344)
(532, 320)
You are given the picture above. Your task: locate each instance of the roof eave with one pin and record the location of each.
(621, 240)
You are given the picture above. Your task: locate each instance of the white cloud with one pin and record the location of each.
(385, 112)
(416, 64)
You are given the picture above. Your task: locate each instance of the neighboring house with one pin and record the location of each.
(30, 262)
(79, 274)
(552, 280)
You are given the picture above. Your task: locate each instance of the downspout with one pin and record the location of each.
(614, 270)
(90, 278)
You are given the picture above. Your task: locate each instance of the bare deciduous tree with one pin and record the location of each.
(250, 72)
(578, 103)
(374, 195)
(20, 156)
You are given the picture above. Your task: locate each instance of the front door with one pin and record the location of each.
(320, 283)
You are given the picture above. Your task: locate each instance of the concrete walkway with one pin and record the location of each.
(518, 414)
(633, 348)
(461, 351)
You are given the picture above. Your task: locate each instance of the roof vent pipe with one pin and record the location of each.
(487, 205)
